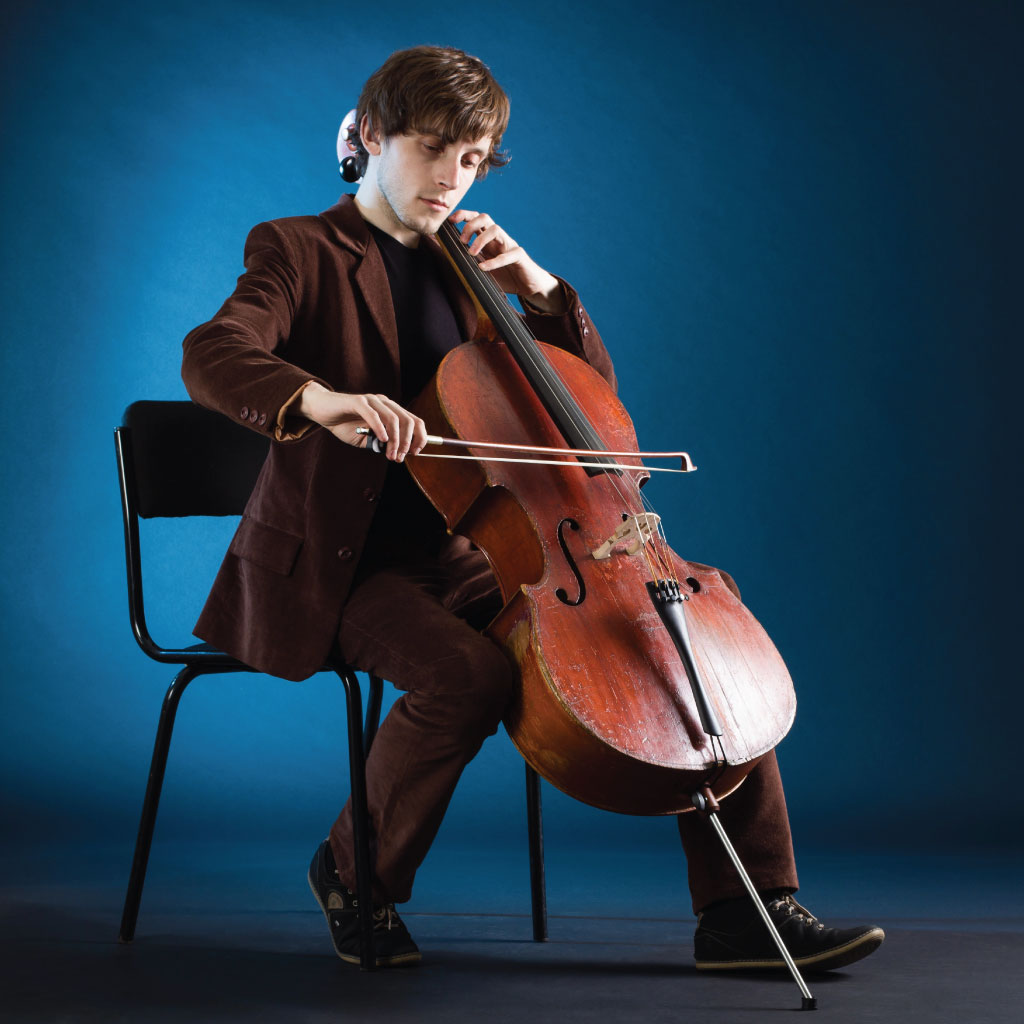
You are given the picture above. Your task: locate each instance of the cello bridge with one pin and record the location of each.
(629, 537)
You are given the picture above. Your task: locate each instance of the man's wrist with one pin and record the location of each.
(550, 299)
(309, 399)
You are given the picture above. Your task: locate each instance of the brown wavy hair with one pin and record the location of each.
(435, 90)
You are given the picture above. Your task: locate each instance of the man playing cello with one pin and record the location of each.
(338, 322)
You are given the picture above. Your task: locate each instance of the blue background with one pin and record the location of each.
(791, 222)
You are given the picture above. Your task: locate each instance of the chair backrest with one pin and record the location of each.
(178, 459)
(183, 460)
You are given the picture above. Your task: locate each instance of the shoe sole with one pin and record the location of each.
(380, 961)
(842, 956)
(402, 960)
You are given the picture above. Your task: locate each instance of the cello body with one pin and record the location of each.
(606, 712)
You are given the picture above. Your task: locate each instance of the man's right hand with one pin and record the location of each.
(342, 414)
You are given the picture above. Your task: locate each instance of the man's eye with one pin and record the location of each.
(433, 149)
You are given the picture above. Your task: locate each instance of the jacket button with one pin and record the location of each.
(580, 311)
(586, 331)
(370, 494)
(263, 419)
(253, 416)
(344, 554)
(245, 412)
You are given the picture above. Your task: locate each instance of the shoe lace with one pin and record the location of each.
(385, 917)
(790, 907)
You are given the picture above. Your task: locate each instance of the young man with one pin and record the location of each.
(338, 322)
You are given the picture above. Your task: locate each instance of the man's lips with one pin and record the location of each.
(435, 204)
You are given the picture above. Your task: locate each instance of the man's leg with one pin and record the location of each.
(730, 933)
(409, 627)
(755, 819)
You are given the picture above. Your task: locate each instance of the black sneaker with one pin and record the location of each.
(392, 943)
(731, 936)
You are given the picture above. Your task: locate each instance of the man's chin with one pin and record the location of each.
(427, 224)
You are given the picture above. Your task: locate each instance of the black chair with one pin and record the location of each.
(178, 459)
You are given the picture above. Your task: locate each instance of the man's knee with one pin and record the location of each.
(476, 683)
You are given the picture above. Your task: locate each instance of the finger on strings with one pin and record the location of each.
(491, 233)
(466, 217)
(477, 223)
(503, 259)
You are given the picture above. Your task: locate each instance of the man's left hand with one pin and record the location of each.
(508, 262)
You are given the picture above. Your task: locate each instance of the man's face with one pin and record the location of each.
(422, 182)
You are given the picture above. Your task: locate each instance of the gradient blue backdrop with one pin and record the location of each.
(791, 221)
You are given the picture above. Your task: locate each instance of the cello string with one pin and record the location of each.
(562, 395)
(526, 345)
(500, 301)
(560, 391)
(529, 347)
(659, 541)
(545, 367)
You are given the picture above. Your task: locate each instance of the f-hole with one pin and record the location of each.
(561, 593)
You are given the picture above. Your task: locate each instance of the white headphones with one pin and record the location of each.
(348, 134)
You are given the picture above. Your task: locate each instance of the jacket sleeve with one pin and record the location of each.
(234, 363)
(572, 330)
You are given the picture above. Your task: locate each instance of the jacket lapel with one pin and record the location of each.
(371, 277)
(372, 281)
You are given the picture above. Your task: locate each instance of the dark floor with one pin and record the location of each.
(226, 935)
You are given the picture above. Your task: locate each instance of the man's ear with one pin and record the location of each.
(369, 137)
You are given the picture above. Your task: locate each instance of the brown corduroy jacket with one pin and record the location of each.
(313, 304)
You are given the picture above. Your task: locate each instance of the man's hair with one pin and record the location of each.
(439, 91)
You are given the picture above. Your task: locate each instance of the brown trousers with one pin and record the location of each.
(417, 626)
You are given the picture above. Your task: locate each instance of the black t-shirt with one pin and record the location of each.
(427, 328)
(406, 525)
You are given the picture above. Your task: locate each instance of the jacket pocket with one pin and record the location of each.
(266, 546)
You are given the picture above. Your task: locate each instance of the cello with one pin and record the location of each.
(647, 686)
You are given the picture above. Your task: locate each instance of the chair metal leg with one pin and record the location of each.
(151, 803)
(538, 889)
(360, 817)
(373, 703)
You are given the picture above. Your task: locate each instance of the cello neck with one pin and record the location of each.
(556, 398)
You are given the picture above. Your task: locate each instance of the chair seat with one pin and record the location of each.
(205, 647)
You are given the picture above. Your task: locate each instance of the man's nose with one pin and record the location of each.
(448, 172)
